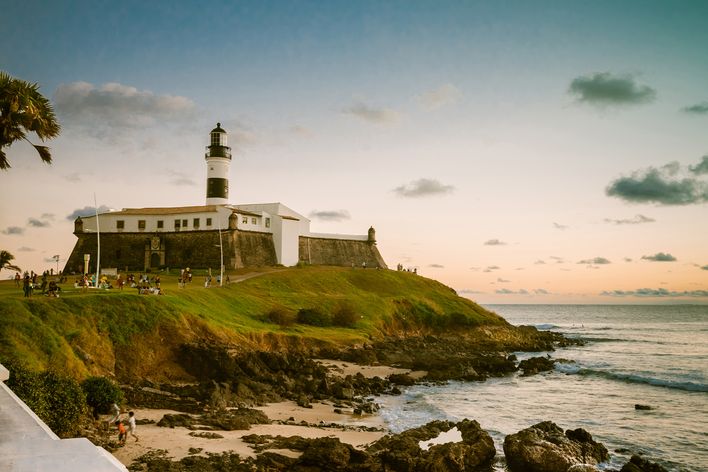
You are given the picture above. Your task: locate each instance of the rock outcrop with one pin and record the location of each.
(639, 464)
(544, 447)
(535, 365)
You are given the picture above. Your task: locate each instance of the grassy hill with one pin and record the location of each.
(110, 331)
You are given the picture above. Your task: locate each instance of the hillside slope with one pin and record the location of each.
(137, 336)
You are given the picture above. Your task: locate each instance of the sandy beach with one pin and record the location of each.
(318, 421)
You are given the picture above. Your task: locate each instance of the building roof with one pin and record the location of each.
(166, 211)
(218, 129)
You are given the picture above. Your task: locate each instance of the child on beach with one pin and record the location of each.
(131, 425)
(122, 433)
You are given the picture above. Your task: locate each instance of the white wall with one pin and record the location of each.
(108, 221)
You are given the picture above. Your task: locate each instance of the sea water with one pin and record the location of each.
(649, 355)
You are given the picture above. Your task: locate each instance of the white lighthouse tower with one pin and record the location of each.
(218, 159)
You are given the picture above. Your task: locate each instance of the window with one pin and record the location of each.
(120, 224)
(177, 225)
(245, 220)
(141, 224)
(267, 222)
(184, 223)
(253, 221)
(208, 223)
(215, 141)
(160, 224)
(195, 224)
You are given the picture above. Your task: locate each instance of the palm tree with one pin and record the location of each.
(5, 258)
(24, 109)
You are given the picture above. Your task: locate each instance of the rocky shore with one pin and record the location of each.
(315, 411)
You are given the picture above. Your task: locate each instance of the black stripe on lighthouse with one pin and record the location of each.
(217, 188)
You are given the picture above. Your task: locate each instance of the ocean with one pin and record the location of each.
(650, 355)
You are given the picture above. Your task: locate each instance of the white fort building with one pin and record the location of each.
(257, 234)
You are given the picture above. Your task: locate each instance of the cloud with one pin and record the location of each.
(637, 220)
(651, 292)
(697, 109)
(595, 261)
(540, 262)
(436, 266)
(446, 94)
(662, 186)
(37, 223)
(491, 268)
(372, 114)
(180, 179)
(13, 230)
(86, 211)
(102, 111)
(627, 259)
(468, 291)
(301, 131)
(494, 242)
(423, 188)
(559, 226)
(503, 281)
(330, 215)
(705, 267)
(700, 168)
(25, 249)
(660, 257)
(559, 260)
(506, 291)
(541, 291)
(603, 88)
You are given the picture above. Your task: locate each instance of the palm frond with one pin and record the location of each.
(44, 153)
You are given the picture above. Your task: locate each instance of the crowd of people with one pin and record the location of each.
(119, 422)
(32, 281)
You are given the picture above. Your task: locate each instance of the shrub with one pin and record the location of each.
(458, 320)
(67, 403)
(281, 316)
(101, 393)
(345, 316)
(313, 317)
(57, 399)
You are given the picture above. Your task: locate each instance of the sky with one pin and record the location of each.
(519, 152)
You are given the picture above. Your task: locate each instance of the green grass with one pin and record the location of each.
(62, 332)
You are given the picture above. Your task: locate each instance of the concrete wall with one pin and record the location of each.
(339, 252)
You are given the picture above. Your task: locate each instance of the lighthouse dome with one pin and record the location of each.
(218, 129)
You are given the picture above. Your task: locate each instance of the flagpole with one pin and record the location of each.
(98, 242)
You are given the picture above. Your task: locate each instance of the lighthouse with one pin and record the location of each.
(218, 159)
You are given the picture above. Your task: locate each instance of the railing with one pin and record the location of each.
(218, 151)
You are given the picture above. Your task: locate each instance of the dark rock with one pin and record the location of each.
(545, 448)
(535, 365)
(638, 406)
(638, 464)
(195, 450)
(206, 435)
(227, 420)
(327, 454)
(401, 379)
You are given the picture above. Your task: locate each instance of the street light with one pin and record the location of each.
(221, 249)
(56, 259)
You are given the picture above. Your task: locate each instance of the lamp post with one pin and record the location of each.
(221, 249)
(56, 259)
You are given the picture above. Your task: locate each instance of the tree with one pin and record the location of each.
(5, 259)
(22, 110)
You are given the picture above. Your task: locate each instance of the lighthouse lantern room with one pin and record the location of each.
(218, 159)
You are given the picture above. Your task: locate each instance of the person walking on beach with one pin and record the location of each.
(115, 412)
(121, 432)
(131, 425)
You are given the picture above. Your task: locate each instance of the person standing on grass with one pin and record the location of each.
(131, 425)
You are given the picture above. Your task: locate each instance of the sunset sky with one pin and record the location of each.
(520, 152)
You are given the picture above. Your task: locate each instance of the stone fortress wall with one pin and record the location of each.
(200, 250)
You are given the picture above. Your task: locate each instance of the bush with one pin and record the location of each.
(101, 393)
(345, 316)
(281, 316)
(57, 399)
(459, 320)
(313, 317)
